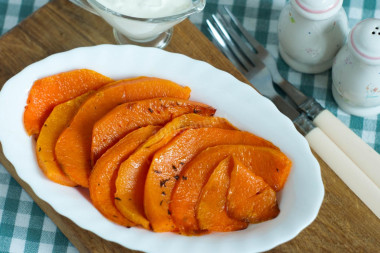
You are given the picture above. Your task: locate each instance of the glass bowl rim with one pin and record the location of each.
(198, 6)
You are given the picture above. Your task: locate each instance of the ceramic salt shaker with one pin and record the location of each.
(356, 70)
(311, 33)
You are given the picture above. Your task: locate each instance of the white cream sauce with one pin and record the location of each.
(147, 8)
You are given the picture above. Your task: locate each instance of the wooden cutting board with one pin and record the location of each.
(344, 223)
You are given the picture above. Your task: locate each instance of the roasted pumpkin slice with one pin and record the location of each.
(73, 148)
(269, 163)
(211, 211)
(176, 154)
(250, 198)
(126, 117)
(132, 173)
(57, 121)
(50, 91)
(104, 173)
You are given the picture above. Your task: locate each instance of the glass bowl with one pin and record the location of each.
(150, 32)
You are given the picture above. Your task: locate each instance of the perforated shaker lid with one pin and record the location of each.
(364, 39)
(317, 9)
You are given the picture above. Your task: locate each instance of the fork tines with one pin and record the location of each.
(260, 50)
(235, 45)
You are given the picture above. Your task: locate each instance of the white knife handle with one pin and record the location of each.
(345, 169)
(366, 158)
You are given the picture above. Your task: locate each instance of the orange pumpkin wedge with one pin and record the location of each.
(73, 148)
(126, 117)
(57, 121)
(132, 173)
(177, 153)
(50, 91)
(211, 211)
(104, 173)
(250, 198)
(269, 163)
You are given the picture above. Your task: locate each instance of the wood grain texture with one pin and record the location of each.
(344, 223)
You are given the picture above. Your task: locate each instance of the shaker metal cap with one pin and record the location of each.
(364, 39)
(317, 10)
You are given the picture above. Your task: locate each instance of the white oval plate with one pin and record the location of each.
(299, 201)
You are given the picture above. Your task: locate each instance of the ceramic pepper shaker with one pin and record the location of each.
(311, 33)
(356, 70)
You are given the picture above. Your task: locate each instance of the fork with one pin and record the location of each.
(252, 68)
(248, 63)
(229, 42)
(366, 158)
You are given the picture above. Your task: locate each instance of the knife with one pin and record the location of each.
(366, 158)
(329, 152)
(337, 160)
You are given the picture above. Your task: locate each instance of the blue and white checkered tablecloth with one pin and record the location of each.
(25, 228)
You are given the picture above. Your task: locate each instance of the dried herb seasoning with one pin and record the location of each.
(163, 182)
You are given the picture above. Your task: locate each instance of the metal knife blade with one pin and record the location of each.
(303, 124)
